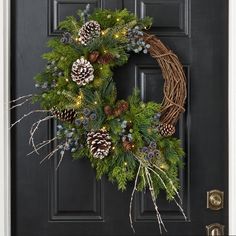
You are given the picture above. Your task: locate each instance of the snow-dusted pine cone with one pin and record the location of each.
(89, 31)
(64, 115)
(166, 130)
(82, 71)
(99, 143)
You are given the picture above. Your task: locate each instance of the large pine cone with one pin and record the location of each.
(166, 130)
(89, 31)
(99, 143)
(82, 71)
(64, 115)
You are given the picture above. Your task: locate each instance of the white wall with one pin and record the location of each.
(232, 117)
(4, 117)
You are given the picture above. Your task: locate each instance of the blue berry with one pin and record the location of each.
(152, 145)
(151, 155)
(145, 149)
(93, 116)
(86, 111)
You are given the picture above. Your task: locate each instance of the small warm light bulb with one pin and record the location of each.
(116, 36)
(117, 19)
(67, 79)
(113, 148)
(103, 32)
(95, 103)
(125, 163)
(133, 146)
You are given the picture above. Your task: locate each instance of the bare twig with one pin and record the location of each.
(131, 199)
(34, 128)
(42, 144)
(20, 104)
(26, 115)
(19, 98)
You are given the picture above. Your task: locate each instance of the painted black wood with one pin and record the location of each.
(70, 202)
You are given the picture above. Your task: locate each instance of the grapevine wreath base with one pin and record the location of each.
(126, 140)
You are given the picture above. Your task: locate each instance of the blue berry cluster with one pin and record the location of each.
(56, 72)
(46, 85)
(150, 151)
(71, 140)
(86, 117)
(66, 38)
(135, 41)
(127, 131)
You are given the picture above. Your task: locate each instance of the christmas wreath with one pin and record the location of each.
(126, 140)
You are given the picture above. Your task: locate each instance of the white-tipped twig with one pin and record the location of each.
(170, 181)
(151, 189)
(20, 104)
(26, 115)
(132, 197)
(58, 147)
(34, 128)
(19, 98)
(162, 181)
(61, 158)
(42, 144)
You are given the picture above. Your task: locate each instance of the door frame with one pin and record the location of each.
(5, 170)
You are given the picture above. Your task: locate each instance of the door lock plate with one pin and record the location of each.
(215, 199)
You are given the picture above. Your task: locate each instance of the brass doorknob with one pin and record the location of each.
(215, 229)
(215, 199)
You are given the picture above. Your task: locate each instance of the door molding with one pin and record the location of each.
(5, 181)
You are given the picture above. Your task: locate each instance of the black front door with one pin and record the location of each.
(70, 202)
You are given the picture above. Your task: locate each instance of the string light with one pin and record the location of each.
(116, 36)
(103, 32)
(67, 79)
(117, 19)
(113, 148)
(125, 163)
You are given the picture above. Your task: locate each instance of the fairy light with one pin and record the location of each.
(67, 80)
(103, 32)
(116, 36)
(125, 163)
(79, 100)
(113, 148)
(95, 102)
(117, 19)
(133, 146)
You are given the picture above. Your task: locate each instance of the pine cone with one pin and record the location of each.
(82, 71)
(99, 143)
(108, 110)
(93, 56)
(66, 38)
(166, 130)
(105, 59)
(64, 115)
(123, 105)
(127, 145)
(89, 31)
